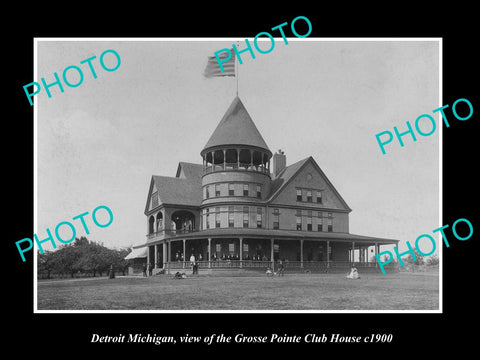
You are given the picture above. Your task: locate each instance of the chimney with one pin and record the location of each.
(279, 162)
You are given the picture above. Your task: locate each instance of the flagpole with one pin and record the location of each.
(236, 69)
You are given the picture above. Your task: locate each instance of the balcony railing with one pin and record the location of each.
(234, 167)
(170, 233)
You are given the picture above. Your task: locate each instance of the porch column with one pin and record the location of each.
(353, 252)
(271, 253)
(169, 255)
(241, 252)
(148, 255)
(184, 254)
(209, 249)
(328, 255)
(156, 256)
(164, 257)
(301, 253)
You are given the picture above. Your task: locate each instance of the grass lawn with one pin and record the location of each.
(399, 291)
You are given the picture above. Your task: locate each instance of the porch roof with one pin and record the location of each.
(137, 253)
(276, 234)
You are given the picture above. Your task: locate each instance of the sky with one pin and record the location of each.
(100, 143)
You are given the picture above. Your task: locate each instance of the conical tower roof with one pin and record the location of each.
(236, 128)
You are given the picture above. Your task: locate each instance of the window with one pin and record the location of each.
(330, 222)
(299, 194)
(259, 217)
(231, 248)
(320, 222)
(231, 217)
(217, 220)
(217, 190)
(298, 220)
(319, 197)
(309, 195)
(245, 247)
(259, 191)
(309, 224)
(207, 219)
(245, 216)
(276, 223)
(218, 247)
(207, 192)
(245, 189)
(231, 189)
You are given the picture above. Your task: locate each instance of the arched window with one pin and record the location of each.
(159, 225)
(151, 221)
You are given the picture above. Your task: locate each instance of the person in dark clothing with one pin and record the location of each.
(111, 274)
(145, 270)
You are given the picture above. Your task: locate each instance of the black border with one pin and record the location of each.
(427, 333)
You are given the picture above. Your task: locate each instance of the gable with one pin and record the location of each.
(304, 175)
(152, 197)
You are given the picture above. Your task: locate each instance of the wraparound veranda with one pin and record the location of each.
(255, 249)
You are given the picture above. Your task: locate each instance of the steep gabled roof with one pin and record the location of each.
(189, 171)
(178, 191)
(184, 189)
(236, 128)
(287, 174)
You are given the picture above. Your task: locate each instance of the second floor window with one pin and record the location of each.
(231, 217)
(245, 189)
(298, 220)
(217, 189)
(231, 189)
(299, 194)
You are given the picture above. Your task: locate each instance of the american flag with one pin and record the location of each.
(213, 68)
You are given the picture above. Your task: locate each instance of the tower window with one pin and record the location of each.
(259, 192)
(217, 190)
(245, 189)
(231, 189)
(231, 217)
(245, 217)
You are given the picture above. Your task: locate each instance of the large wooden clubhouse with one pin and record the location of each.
(244, 207)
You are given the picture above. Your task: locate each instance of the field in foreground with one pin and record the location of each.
(400, 291)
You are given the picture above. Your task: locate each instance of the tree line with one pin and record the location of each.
(81, 258)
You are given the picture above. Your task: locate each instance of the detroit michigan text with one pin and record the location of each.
(241, 338)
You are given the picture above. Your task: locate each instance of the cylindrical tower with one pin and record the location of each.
(236, 167)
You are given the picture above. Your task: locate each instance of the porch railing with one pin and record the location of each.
(263, 264)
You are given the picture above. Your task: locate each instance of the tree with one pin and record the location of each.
(409, 259)
(68, 259)
(432, 260)
(46, 262)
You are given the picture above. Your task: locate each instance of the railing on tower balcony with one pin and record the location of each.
(235, 166)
